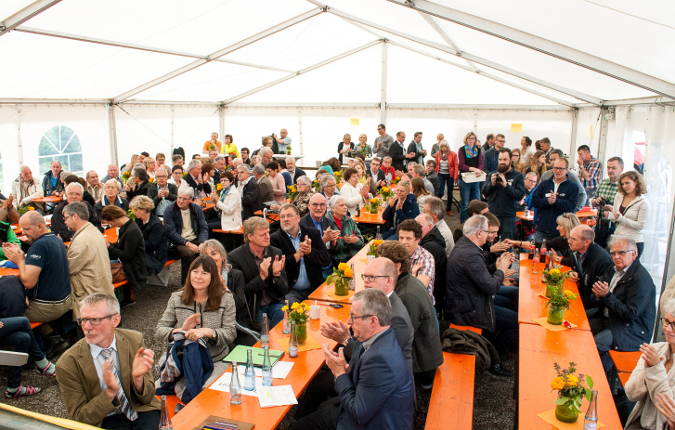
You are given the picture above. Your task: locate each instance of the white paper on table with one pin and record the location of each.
(279, 371)
(223, 384)
(280, 395)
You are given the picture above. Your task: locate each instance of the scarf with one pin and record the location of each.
(224, 193)
(470, 152)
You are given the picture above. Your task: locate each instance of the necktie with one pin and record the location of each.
(125, 407)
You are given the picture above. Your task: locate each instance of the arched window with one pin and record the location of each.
(62, 144)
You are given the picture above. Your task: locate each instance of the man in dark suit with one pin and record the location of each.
(184, 243)
(589, 262)
(316, 218)
(266, 189)
(162, 193)
(106, 378)
(295, 171)
(250, 192)
(626, 296)
(375, 177)
(264, 275)
(74, 193)
(195, 180)
(141, 185)
(305, 254)
(397, 152)
(376, 389)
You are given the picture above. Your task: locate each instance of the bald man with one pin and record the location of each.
(25, 189)
(589, 262)
(281, 142)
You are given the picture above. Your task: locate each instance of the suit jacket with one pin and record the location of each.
(319, 257)
(140, 190)
(631, 307)
(250, 198)
(276, 288)
(173, 224)
(80, 386)
(378, 391)
(206, 187)
(59, 222)
(298, 172)
(266, 190)
(397, 154)
(596, 263)
(307, 221)
(380, 177)
(154, 190)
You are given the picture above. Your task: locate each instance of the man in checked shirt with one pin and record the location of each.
(590, 170)
(604, 195)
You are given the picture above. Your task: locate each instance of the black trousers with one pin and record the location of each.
(186, 257)
(325, 418)
(145, 421)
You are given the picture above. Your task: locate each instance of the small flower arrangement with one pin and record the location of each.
(212, 146)
(554, 278)
(316, 185)
(338, 176)
(372, 248)
(558, 303)
(131, 214)
(219, 187)
(571, 391)
(299, 313)
(288, 150)
(341, 276)
(23, 209)
(395, 180)
(373, 205)
(292, 192)
(386, 193)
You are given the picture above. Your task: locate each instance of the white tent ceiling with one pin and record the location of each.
(451, 52)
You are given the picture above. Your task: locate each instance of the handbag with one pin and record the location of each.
(118, 274)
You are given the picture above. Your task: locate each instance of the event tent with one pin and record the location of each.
(90, 82)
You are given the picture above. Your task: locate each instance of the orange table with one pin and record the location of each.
(8, 272)
(581, 214)
(365, 217)
(18, 231)
(360, 261)
(48, 199)
(624, 377)
(271, 217)
(539, 349)
(531, 305)
(625, 361)
(308, 363)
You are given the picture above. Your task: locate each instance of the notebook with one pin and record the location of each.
(238, 354)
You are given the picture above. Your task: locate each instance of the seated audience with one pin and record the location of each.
(138, 184)
(418, 189)
(432, 176)
(422, 264)
(305, 254)
(202, 309)
(177, 160)
(376, 389)
(265, 185)
(106, 378)
(558, 247)
(316, 218)
(112, 173)
(353, 192)
(25, 189)
(249, 190)
(470, 295)
(433, 206)
(554, 197)
(293, 170)
(129, 249)
(305, 193)
(177, 177)
(388, 169)
(16, 332)
(426, 348)
(7, 236)
(419, 172)
(625, 295)
(74, 193)
(350, 241)
(288, 179)
(154, 236)
(8, 212)
(277, 180)
(432, 241)
(264, 274)
(328, 187)
(185, 228)
(52, 183)
(228, 205)
(198, 181)
(111, 196)
(652, 377)
(161, 192)
(589, 262)
(375, 176)
(360, 167)
(630, 209)
(474, 207)
(400, 208)
(94, 186)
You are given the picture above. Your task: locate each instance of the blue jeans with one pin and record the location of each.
(274, 313)
(16, 331)
(442, 179)
(467, 191)
(507, 297)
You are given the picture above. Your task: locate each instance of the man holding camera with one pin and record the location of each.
(607, 189)
(504, 188)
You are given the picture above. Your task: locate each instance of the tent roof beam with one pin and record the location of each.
(200, 62)
(544, 46)
(437, 28)
(33, 9)
(476, 106)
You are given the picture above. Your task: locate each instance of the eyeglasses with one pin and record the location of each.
(371, 278)
(560, 168)
(354, 318)
(93, 321)
(501, 141)
(620, 252)
(665, 323)
(318, 205)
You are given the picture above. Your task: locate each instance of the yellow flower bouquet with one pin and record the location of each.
(373, 205)
(341, 276)
(292, 192)
(571, 391)
(23, 209)
(299, 314)
(554, 278)
(372, 249)
(386, 193)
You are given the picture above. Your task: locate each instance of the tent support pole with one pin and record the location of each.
(302, 146)
(221, 115)
(602, 141)
(114, 156)
(575, 128)
(19, 143)
(383, 94)
(172, 134)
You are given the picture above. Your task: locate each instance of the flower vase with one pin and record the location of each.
(555, 317)
(566, 414)
(550, 289)
(341, 287)
(301, 332)
(374, 209)
(371, 258)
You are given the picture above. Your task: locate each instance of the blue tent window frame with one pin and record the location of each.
(62, 144)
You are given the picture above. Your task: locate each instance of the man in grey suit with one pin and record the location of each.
(266, 189)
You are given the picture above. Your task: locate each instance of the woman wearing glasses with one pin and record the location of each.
(630, 209)
(305, 193)
(652, 382)
(350, 240)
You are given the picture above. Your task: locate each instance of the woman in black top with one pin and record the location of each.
(346, 146)
(156, 244)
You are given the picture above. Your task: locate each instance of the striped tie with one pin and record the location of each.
(125, 407)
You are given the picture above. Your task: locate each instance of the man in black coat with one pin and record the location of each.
(265, 283)
(433, 241)
(589, 262)
(375, 177)
(626, 296)
(250, 192)
(195, 179)
(162, 193)
(305, 254)
(74, 193)
(293, 170)
(504, 188)
(397, 152)
(141, 185)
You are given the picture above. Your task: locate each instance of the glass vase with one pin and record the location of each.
(566, 414)
(301, 332)
(550, 289)
(374, 208)
(341, 288)
(555, 317)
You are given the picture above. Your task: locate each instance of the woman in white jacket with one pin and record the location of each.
(653, 377)
(228, 204)
(353, 192)
(630, 209)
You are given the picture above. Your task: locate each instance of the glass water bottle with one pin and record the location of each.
(264, 333)
(249, 373)
(293, 343)
(591, 420)
(165, 421)
(235, 388)
(267, 369)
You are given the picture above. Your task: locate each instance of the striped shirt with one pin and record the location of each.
(426, 260)
(594, 169)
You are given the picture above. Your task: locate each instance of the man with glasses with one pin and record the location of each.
(249, 190)
(554, 197)
(626, 296)
(74, 193)
(589, 262)
(382, 142)
(162, 193)
(316, 218)
(106, 378)
(375, 177)
(491, 156)
(557, 154)
(305, 254)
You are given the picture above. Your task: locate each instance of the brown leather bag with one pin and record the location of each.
(118, 274)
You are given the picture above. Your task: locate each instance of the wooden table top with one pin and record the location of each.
(271, 217)
(625, 361)
(360, 261)
(539, 349)
(8, 272)
(583, 213)
(308, 363)
(48, 199)
(365, 217)
(531, 305)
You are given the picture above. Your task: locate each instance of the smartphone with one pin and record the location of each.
(336, 306)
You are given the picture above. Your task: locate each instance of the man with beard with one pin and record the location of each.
(503, 190)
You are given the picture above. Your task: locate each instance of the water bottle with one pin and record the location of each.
(352, 282)
(267, 369)
(286, 328)
(235, 388)
(165, 421)
(264, 334)
(249, 373)
(378, 236)
(293, 343)
(591, 420)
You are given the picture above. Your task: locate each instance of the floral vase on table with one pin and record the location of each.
(386, 194)
(571, 392)
(372, 250)
(554, 278)
(557, 304)
(373, 205)
(341, 276)
(299, 314)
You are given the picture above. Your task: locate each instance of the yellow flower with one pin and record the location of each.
(306, 306)
(219, 187)
(568, 293)
(572, 380)
(294, 306)
(349, 273)
(554, 272)
(31, 208)
(377, 242)
(398, 178)
(343, 266)
(558, 383)
(284, 309)
(374, 201)
(385, 189)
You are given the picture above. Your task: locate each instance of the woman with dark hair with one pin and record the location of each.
(354, 193)
(130, 247)
(538, 164)
(630, 209)
(334, 164)
(517, 161)
(228, 146)
(277, 180)
(526, 150)
(202, 309)
(420, 191)
(154, 236)
(228, 204)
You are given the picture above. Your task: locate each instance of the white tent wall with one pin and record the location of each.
(9, 146)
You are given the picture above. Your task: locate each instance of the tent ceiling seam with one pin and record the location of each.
(434, 25)
(30, 11)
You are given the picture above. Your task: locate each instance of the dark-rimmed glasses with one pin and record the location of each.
(93, 321)
(371, 278)
(354, 318)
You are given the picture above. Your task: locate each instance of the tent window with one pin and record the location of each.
(62, 144)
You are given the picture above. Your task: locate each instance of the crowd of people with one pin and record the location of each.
(425, 272)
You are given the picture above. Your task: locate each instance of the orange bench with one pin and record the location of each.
(239, 231)
(451, 404)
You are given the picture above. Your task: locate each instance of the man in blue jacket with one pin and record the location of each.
(186, 229)
(554, 197)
